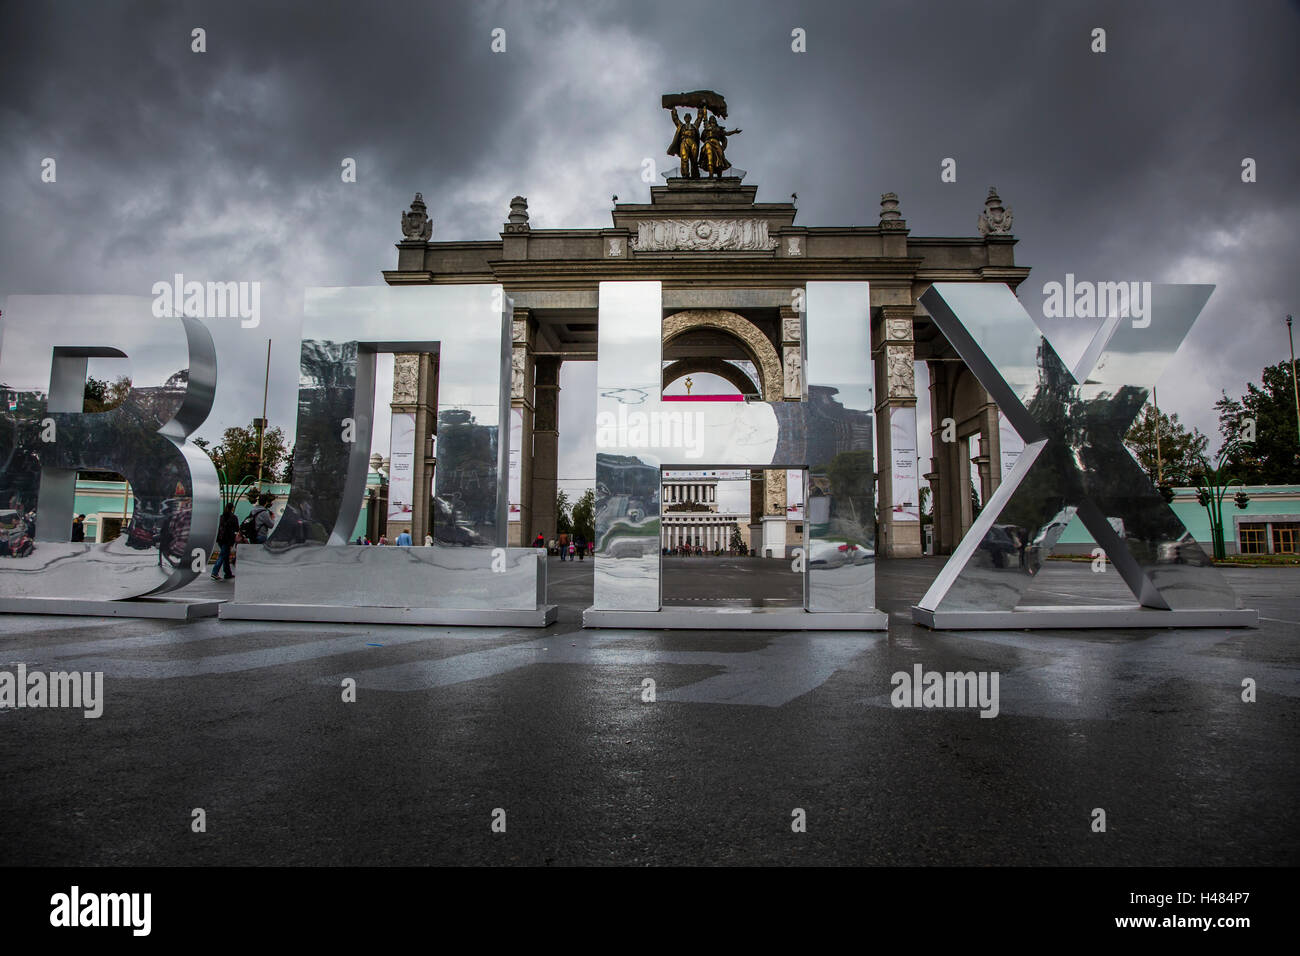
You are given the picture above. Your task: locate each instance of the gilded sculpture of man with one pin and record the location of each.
(713, 159)
(686, 144)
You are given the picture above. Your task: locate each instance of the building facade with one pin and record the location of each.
(733, 270)
(691, 518)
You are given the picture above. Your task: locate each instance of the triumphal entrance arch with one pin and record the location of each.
(734, 273)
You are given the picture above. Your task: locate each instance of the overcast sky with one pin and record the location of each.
(225, 165)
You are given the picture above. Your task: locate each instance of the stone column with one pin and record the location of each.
(945, 463)
(426, 427)
(895, 389)
(415, 392)
(521, 401)
(990, 448)
(546, 437)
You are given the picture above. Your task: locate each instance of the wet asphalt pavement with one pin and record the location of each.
(245, 720)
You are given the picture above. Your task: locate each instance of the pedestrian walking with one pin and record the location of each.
(227, 531)
(79, 528)
(404, 539)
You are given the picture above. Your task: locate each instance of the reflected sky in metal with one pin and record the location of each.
(1075, 463)
(830, 434)
(45, 343)
(467, 327)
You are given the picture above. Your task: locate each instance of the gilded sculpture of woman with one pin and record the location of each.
(713, 158)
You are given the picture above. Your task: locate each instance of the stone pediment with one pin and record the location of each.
(703, 215)
(695, 235)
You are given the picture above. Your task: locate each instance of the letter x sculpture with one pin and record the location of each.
(1074, 465)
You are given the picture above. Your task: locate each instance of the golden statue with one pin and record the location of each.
(699, 147)
(686, 144)
(713, 159)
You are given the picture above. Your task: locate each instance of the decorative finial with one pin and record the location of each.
(518, 218)
(995, 220)
(416, 224)
(890, 217)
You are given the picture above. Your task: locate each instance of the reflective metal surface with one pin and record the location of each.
(45, 342)
(353, 576)
(830, 434)
(1075, 464)
(308, 560)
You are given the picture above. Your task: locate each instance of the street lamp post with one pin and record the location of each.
(1294, 385)
(1210, 492)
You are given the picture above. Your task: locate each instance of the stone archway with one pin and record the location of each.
(768, 494)
(724, 370)
(761, 351)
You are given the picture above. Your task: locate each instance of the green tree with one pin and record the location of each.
(236, 455)
(101, 395)
(563, 521)
(1273, 458)
(1180, 451)
(286, 475)
(737, 539)
(584, 515)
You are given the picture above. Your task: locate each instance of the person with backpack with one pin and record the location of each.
(227, 529)
(248, 529)
(263, 519)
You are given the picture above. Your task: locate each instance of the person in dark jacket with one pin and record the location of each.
(263, 518)
(226, 531)
(79, 528)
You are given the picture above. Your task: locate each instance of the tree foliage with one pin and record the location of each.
(1273, 458)
(584, 515)
(236, 454)
(1180, 451)
(563, 520)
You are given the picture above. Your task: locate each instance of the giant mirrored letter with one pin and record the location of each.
(308, 569)
(1075, 466)
(169, 523)
(830, 433)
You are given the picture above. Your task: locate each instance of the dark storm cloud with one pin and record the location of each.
(225, 165)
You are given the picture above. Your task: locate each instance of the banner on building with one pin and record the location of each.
(1010, 443)
(516, 468)
(401, 466)
(902, 443)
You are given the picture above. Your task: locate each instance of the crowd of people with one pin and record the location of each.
(568, 547)
(698, 551)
